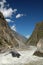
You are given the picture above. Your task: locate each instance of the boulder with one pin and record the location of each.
(14, 54)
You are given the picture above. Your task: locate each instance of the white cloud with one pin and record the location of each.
(13, 27)
(7, 12)
(2, 2)
(27, 36)
(19, 15)
(9, 20)
(15, 10)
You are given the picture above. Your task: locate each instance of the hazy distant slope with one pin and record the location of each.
(36, 35)
(19, 36)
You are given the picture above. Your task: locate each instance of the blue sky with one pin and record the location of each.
(24, 14)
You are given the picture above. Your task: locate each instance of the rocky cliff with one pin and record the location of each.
(36, 35)
(7, 36)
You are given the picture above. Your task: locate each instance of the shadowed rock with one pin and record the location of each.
(38, 53)
(14, 54)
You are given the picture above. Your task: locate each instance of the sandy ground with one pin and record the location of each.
(26, 58)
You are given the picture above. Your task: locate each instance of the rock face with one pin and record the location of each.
(36, 35)
(40, 45)
(39, 51)
(7, 36)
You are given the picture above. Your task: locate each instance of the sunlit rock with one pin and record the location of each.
(40, 45)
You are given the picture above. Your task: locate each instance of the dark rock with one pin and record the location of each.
(38, 53)
(14, 54)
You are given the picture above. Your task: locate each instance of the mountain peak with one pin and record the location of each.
(3, 22)
(1, 15)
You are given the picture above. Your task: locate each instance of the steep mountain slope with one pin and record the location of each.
(7, 36)
(36, 35)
